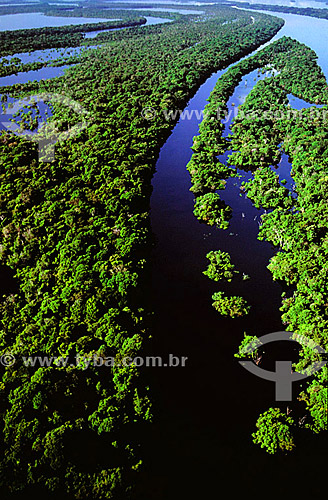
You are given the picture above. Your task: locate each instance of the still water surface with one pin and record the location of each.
(39, 20)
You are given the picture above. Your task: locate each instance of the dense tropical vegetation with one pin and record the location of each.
(76, 235)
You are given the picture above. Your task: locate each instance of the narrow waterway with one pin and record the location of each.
(209, 408)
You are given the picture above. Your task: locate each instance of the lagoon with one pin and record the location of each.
(40, 20)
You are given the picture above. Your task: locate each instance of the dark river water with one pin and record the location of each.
(209, 408)
(200, 443)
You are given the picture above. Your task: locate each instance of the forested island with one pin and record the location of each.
(45, 38)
